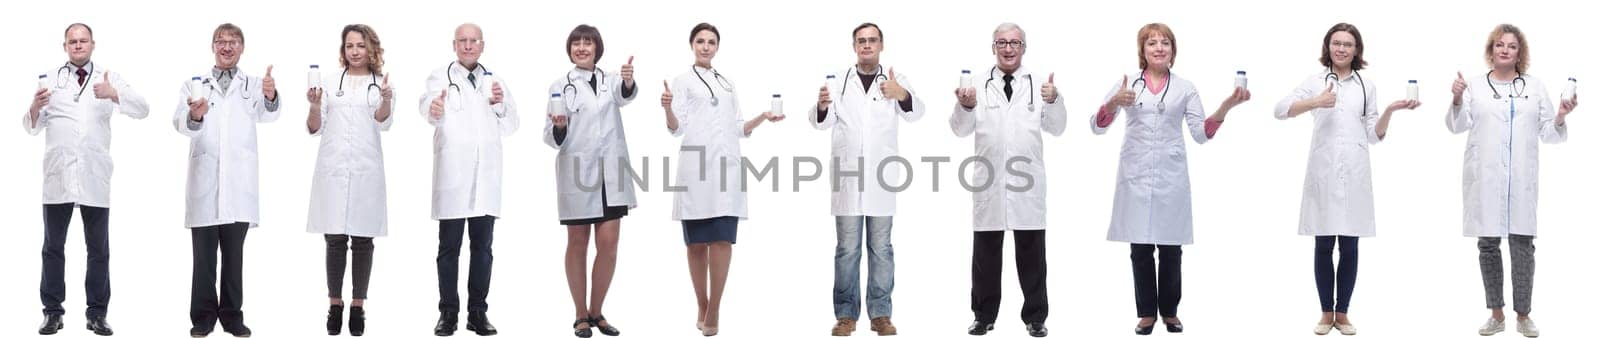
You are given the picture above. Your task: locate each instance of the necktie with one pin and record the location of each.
(83, 76)
(473, 78)
(592, 85)
(1007, 79)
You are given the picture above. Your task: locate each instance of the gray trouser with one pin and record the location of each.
(1490, 264)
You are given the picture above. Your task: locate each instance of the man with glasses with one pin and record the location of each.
(1007, 111)
(223, 190)
(77, 171)
(865, 120)
(471, 111)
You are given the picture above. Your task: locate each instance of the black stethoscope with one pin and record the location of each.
(1334, 78)
(720, 81)
(1514, 90)
(879, 78)
(452, 80)
(989, 84)
(1139, 85)
(370, 87)
(61, 77)
(570, 99)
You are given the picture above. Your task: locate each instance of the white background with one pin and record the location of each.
(1248, 274)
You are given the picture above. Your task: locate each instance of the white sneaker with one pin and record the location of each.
(1322, 329)
(1345, 329)
(1526, 327)
(1492, 327)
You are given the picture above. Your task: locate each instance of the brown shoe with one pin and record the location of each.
(883, 327)
(844, 327)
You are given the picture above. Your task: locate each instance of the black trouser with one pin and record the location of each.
(481, 230)
(204, 309)
(97, 282)
(360, 249)
(1341, 282)
(1157, 293)
(987, 251)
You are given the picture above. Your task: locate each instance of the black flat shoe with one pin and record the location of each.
(1037, 330)
(198, 332)
(478, 322)
(1174, 327)
(335, 319)
(606, 329)
(237, 330)
(99, 326)
(586, 332)
(1144, 330)
(358, 321)
(51, 325)
(979, 328)
(446, 326)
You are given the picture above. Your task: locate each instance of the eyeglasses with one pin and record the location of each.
(1002, 44)
(862, 41)
(467, 41)
(1346, 45)
(226, 43)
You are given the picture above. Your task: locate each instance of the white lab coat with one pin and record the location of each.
(1500, 176)
(595, 146)
(1006, 130)
(866, 131)
(1337, 198)
(348, 195)
(1152, 203)
(77, 155)
(467, 162)
(224, 183)
(711, 178)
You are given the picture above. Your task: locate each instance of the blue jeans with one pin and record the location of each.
(847, 266)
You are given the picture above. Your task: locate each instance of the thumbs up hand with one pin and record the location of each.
(386, 90)
(1125, 97)
(269, 87)
(1325, 100)
(892, 89)
(666, 96)
(104, 90)
(436, 110)
(1459, 87)
(1048, 91)
(627, 73)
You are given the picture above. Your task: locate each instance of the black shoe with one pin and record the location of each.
(1173, 327)
(358, 321)
(335, 319)
(99, 326)
(447, 324)
(1037, 330)
(51, 325)
(237, 330)
(979, 328)
(199, 332)
(1144, 330)
(478, 322)
(586, 332)
(606, 329)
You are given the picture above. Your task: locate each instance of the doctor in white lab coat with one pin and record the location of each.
(1506, 113)
(73, 106)
(585, 125)
(1337, 206)
(1007, 111)
(702, 107)
(471, 111)
(1151, 209)
(349, 200)
(223, 188)
(863, 105)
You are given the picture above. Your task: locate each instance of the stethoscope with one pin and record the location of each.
(1139, 85)
(61, 78)
(1334, 78)
(1514, 90)
(879, 78)
(989, 84)
(570, 101)
(370, 87)
(452, 80)
(720, 81)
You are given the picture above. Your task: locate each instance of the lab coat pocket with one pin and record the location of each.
(101, 170)
(202, 175)
(453, 168)
(56, 163)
